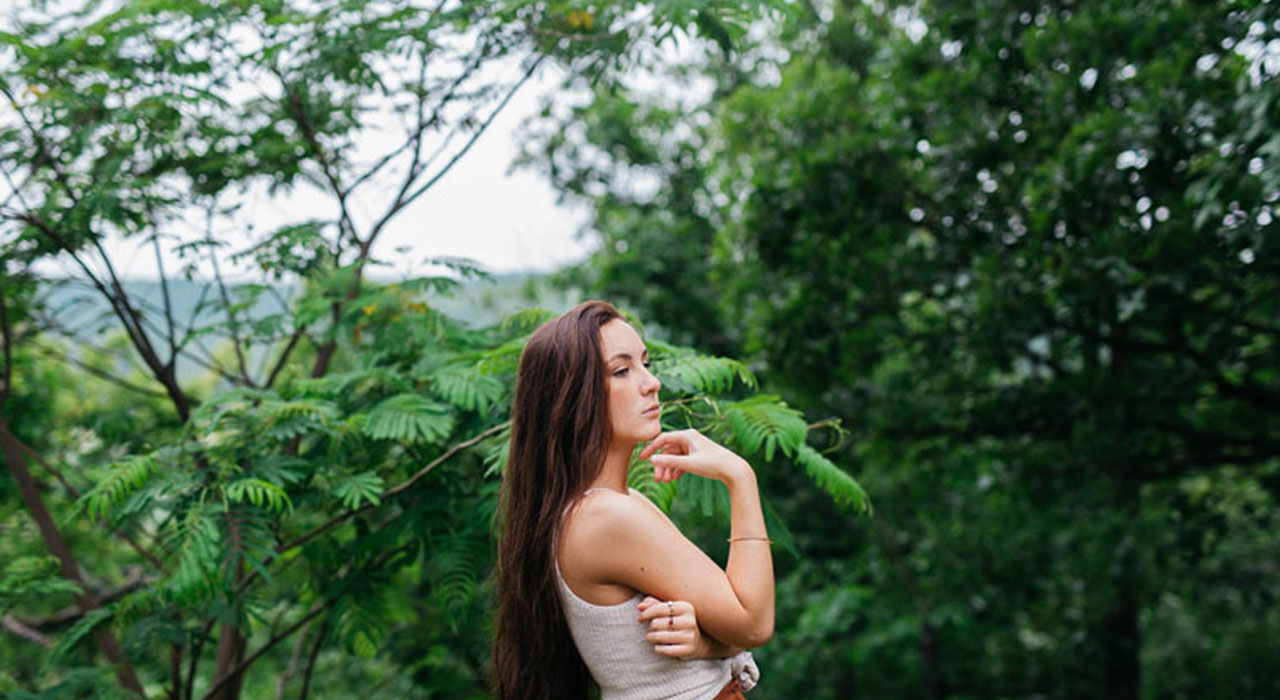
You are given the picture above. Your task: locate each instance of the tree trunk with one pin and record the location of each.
(1120, 644)
(57, 546)
(230, 652)
(1121, 670)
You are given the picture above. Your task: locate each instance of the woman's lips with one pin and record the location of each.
(654, 410)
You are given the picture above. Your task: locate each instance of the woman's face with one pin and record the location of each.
(634, 411)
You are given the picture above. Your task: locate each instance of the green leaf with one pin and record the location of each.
(408, 418)
(198, 546)
(765, 420)
(358, 488)
(81, 629)
(842, 488)
(260, 493)
(123, 478)
(702, 373)
(466, 387)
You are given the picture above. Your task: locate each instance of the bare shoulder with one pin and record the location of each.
(615, 519)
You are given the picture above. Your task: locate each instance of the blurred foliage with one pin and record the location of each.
(1026, 252)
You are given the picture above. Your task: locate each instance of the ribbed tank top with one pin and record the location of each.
(624, 665)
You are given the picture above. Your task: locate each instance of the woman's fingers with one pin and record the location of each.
(678, 623)
(665, 615)
(676, 651)
(677, 442)
(673, 627)
(664, 475)
(671, 463)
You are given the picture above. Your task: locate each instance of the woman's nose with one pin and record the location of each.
(653, 384)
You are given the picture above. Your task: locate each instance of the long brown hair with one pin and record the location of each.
(559, 437)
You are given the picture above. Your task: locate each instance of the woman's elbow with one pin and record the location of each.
(754, 634)
(760, 634)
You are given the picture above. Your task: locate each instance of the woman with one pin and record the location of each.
(593, 579)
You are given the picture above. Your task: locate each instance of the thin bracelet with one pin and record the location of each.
(731, 540)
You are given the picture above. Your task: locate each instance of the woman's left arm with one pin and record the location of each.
(674, 631)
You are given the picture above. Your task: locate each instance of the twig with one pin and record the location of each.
(284, 356)
(193, 663)
(312, 534)
(404, 201)
(10, 623)
(292, 669)
(102, 374)
(311, 659)
(75, 493)
(168, 304)
(235, 671)
(5, 332)
(233, 324)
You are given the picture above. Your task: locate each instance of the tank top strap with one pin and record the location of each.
(607, 488)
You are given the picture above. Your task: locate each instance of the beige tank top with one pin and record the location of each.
(626, 667)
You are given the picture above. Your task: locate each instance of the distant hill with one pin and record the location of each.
(80, 311)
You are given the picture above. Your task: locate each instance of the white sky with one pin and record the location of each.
(508, 222)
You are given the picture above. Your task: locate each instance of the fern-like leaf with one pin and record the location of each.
(408, 418)
(465, 387)
(121, 480)
(702, 373)
(503, 359)
(198, 546)
(497, 452)
(766, 420)
(525, 321)
(354, 383)
(359, 488)
(81, 629)
(27, 578)
(458, 566)
(263, 494)
(842, 488)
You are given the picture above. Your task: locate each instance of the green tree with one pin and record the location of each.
(300, 496)
(1025, 252)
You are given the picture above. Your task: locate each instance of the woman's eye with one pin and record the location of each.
(621, 372)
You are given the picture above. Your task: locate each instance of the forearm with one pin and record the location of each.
(709, 647)
(750, 565)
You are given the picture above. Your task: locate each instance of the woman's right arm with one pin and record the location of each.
(632, 544)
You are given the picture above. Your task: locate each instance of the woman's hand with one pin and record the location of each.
(673, 454)
(674, 631)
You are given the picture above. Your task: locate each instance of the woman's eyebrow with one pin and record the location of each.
(628, 356)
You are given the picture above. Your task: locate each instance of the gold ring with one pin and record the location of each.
(671, 608)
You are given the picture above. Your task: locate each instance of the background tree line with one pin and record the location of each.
(1025, 251)
(1015, 261)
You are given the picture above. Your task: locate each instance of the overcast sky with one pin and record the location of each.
(506, 222)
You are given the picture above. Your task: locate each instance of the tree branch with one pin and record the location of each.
(168, 304)
(311, 659)
(136, 580)
(75, 493)
(400, 488)
(284, 356)
(11, 624)
(239, 668)
(101, 374)
(232, 323)
(57, 546)
(403, 201)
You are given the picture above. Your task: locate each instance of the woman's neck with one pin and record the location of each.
(614, 473)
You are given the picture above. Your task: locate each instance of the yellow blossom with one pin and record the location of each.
(581, 20)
